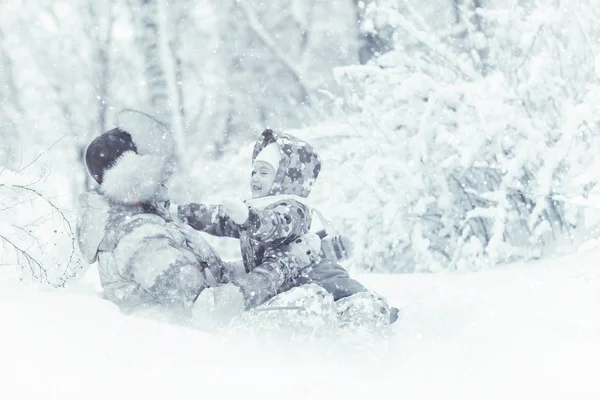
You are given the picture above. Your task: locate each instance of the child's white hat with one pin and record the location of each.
(271, 155)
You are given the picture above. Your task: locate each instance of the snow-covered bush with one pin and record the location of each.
(467, 137)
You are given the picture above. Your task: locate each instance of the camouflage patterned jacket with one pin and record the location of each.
(274, 222)
(266, 235)
(144, 259)
(264, 242)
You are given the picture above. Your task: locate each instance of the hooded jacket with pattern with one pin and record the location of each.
(275, 222)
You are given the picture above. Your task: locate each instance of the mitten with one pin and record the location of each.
(221, 304)
(236, 210)
(306, 248)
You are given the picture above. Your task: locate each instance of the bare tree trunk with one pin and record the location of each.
(370, 44)
(156, 80)
(456, 10)
(263, 35)
(174, 51)
(103, 84)
(481, 44)
(164, 97)
(11, 109)
(8, 78)
(102, 40)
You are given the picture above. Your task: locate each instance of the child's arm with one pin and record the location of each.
(208, 218)
(279, 224)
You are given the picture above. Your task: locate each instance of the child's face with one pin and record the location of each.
(263, 176)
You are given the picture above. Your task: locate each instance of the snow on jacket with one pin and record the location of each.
(144, 258)
(264, 240)
(274, 222)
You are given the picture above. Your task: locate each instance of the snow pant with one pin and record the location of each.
(331, 276)
(347, 293)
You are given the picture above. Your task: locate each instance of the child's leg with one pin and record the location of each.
(303, 309)
(332, 277)
(340, 288)
(354, 301)
(365, 309)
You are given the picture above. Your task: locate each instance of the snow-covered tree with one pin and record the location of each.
(466, 140)
(277, 58)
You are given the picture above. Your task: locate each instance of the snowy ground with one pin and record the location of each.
(517, 332)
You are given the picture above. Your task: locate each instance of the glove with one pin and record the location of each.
(220, 304)
(236, 210)
(306, 248)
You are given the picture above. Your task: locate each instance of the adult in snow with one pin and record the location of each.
(146, 261)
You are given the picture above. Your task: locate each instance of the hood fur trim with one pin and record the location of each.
(151, 137)
(133, 179)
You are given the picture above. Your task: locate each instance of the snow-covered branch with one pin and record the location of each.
(34, 240)
(263, 35)
(497, 166)
(435, 45)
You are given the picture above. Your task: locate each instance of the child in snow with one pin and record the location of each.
(277, 233)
